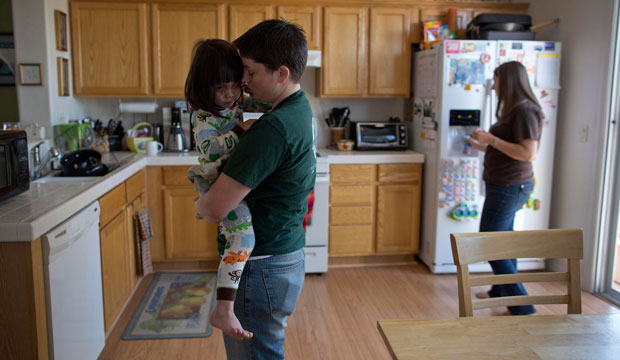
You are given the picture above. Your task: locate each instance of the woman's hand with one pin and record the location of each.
(482, 137)
(475, 144)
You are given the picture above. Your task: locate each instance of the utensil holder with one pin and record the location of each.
(337, 134)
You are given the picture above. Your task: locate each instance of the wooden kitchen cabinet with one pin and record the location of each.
(114, 267)
(398, 208)
(118, 248)
(344, 66)
(374, 209)
(366, 52)
(177, 234)
(110, 48)
(242, 17)
(308, 17)
(175, 30)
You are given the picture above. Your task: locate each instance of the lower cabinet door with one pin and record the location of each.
(398, 218)
(115, 267)
(350, 240)
(187, 237)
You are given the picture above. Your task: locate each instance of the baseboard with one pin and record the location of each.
(370, 260)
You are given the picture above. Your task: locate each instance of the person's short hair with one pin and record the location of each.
(214, 62)
(274, 43)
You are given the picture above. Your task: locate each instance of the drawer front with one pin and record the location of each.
(135, 185)
(351, 194)
(176, 175)
(402, 173)
(112, 203)
(353, 174)
(350, 240)
(350, 215)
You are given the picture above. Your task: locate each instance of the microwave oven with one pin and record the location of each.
(14, 172)
(383, 135)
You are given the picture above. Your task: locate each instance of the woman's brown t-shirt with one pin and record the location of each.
(524, 122)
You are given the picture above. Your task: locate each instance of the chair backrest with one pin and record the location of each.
(468, 248)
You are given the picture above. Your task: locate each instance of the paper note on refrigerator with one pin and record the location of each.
(548, 71)
(425, 79)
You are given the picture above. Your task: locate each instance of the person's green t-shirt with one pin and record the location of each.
(276, 159)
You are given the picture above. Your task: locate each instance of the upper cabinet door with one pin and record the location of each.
(176, 28)
(110, 48)
(243, 17)
(308, 17)
(390, 52)
(344, 68)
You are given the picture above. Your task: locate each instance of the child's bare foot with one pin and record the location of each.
(223, 318)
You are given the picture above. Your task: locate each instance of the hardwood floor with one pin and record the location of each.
(336, 315)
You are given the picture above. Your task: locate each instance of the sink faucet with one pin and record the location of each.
(36, 159)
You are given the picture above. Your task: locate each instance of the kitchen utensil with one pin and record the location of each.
(337, 134)
(83, 163)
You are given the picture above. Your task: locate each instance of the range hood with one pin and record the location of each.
(314, 59)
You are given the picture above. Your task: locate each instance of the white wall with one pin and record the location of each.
(585, 30)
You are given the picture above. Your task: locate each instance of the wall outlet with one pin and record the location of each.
(583, 133)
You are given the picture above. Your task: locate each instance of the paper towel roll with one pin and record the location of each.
(138, 107)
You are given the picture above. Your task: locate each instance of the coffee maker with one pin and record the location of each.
(177, 129)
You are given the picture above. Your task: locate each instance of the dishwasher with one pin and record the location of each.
(73, 289)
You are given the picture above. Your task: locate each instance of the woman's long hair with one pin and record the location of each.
(514, 88)
(214, 62)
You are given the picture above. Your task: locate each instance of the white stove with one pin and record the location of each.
(317, 231)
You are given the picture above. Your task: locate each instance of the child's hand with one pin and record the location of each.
(198, 217)
(246, 124)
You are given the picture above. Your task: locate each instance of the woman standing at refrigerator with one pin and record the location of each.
(510, 145)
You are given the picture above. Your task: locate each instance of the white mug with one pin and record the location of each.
(153, 147)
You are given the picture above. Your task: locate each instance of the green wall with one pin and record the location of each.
(8, 94)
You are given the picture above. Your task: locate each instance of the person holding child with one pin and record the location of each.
(216, 103)
(273, 167)
(510, 146)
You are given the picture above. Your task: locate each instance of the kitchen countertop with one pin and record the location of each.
(371, 156)
(33, 213)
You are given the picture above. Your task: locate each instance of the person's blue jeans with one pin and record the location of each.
(267, 295)
(498, 214)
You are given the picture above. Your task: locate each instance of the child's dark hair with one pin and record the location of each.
(274, 43)
(214, 61)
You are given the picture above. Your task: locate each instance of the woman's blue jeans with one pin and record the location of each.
(267, 295)
(498, 214)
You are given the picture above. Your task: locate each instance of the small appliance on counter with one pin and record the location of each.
(14, 171)
(385, 135)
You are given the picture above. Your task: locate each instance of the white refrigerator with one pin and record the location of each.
(453, 96)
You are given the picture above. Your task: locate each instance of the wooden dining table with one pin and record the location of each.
(517, 337)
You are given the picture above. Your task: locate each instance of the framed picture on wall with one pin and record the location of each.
(30, 74)
(63, 76)
(61, 30)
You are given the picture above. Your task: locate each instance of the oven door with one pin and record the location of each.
(317, 230)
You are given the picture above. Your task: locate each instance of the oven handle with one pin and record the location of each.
(322, 178)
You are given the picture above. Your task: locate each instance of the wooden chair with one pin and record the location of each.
(469, 248)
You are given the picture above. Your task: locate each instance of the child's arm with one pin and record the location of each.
(211, 143)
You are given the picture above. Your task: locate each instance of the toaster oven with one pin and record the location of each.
(14, 173)
(380, 135)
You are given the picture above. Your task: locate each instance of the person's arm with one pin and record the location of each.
(522, 151)
(221, 198)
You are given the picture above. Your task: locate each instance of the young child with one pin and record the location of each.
(213, 92)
